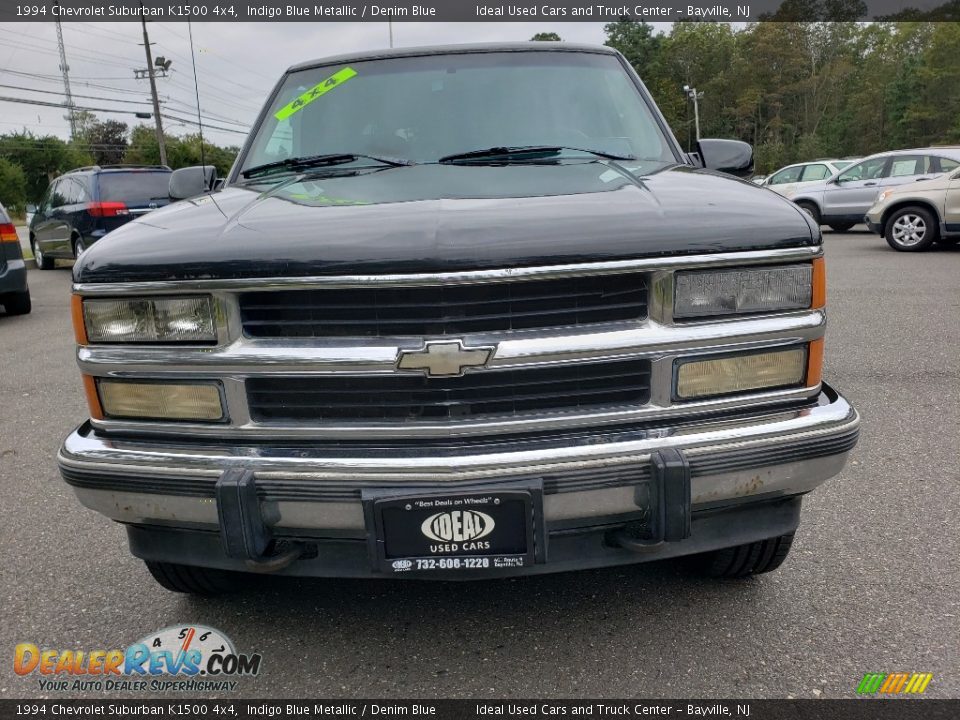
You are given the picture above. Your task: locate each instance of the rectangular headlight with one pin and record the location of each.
(742, 290)
(160, 400)
(741, 373)
(149, 320)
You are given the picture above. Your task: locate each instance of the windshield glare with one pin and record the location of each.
(423, 108)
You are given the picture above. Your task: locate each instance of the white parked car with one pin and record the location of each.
(789, 179)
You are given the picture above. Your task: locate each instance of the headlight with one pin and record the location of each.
(149, 320)
(741, 373)
(742, 290)
(160, 400)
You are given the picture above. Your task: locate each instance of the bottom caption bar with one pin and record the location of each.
(863, 709)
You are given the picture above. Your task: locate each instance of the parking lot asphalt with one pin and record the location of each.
(872, 584)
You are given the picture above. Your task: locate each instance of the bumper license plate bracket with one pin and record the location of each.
(469, 530)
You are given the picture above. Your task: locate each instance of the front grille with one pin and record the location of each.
(402, 397)
(380, 311)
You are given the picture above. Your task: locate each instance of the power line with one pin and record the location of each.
(206, 125)
(64, 105)
(86, 97)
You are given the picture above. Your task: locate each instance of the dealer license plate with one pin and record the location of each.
(450, 532)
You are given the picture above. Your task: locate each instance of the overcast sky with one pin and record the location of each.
(237, 64)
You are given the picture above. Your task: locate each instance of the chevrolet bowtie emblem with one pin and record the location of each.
(444, 358)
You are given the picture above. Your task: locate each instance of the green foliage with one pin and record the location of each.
(106, 141)
(13, 186)
(41, 159)
(547, 37)
(799, 90)
(181, 151)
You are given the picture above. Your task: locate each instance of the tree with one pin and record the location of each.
(106, 141)
(13, 186)
(636, 41)
(181, 151)
(42, 159)
(547, 37)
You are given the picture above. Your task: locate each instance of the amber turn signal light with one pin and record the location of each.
(76, 313)
(818, 298)
(93, 397)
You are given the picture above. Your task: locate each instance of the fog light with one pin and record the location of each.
(160, 400)
(740, 373)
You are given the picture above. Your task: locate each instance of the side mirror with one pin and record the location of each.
(729, 156)
(191, 181)
(31, 208)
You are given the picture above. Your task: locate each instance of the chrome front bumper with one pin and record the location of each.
(589, 477)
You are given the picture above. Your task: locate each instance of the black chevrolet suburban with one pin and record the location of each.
(457, 312)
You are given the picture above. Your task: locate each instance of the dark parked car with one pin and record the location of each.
(458, 312)
(83, 205)
(14, 293)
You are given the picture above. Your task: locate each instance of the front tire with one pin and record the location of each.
(17, 303)
(810, 209)
(743, 560)
(911, 229)
(193, 580)
(43, 262)
(841, 227)
(79, 248)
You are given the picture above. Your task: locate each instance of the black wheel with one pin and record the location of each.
(810, 209)
(743, 560)
(16, 303)
(841, 227)
(79, 247)
(43, 262)
(193, 580)
(948, 241)
(911, 229)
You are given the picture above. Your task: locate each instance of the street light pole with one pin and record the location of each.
(390, 27)
(153, 88)
(695, 96)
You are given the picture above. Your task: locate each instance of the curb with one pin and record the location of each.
(31, 263)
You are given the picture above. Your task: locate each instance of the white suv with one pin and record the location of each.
(843, 200)
(791, 178)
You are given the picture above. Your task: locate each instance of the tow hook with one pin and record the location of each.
(665, 503)
(244, 532)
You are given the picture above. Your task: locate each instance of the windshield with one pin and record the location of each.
(136, 186)
(425, 108)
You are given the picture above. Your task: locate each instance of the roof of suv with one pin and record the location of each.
(453, 50)
(950, 151)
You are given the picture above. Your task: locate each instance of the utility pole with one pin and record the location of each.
(695, 96)
(153, 88)
(65, 69)
(390, 27)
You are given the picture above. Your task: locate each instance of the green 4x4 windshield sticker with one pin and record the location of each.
(325, 86)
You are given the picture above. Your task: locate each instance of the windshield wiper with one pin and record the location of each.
(523, 153)
(327, 160)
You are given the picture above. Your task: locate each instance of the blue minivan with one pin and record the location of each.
(83, 205)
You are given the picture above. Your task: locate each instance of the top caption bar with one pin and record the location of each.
(475, 10)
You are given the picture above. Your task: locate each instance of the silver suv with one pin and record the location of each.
(842, 200)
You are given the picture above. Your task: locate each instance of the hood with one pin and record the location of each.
(442, 218)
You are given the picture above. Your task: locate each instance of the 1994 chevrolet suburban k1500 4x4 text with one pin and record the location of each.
(457, 312)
